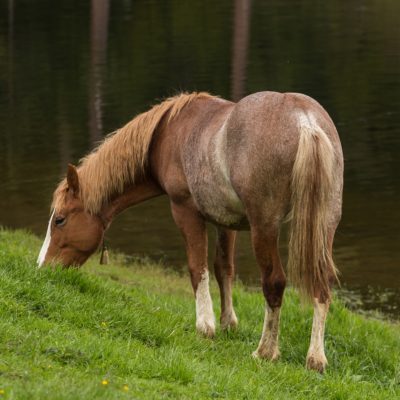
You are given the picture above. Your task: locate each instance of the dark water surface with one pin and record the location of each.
(71, 71)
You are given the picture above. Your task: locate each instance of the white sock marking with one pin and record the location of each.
(46, 243)
(316, 349)
(268, 346)
(228, 317)
(205, 319)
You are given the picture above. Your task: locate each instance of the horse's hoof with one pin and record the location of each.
(316, 363)
(229, 322)
(271, 355)
(206, 329)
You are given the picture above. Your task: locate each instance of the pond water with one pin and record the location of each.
(72, 71)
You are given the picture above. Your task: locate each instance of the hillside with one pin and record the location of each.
(127, 331)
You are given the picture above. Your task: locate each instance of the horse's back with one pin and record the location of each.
(234, 162)
(272, 120)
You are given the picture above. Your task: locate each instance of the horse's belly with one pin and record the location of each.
(218, 203)
(209, 182)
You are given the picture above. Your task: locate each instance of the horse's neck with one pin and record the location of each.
(133, 195)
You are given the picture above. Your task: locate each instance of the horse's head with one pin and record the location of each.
(73, 234)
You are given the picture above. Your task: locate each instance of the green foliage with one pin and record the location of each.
(127, 331)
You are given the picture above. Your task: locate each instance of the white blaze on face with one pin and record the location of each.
(46, 243)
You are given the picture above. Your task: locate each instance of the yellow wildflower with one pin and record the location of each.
(2, 392)
(104, 382)
(125, 388)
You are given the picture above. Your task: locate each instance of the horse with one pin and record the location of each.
(251, 165)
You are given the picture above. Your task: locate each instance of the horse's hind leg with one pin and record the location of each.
(265, 244)
(194, 232)
(316, 358)
(224, 272)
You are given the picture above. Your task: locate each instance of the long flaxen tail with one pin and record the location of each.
(310, 263)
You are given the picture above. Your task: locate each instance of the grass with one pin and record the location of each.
(127, 331)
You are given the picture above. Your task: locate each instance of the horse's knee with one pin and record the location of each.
(196, 277)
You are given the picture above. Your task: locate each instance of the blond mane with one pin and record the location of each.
(122, 157)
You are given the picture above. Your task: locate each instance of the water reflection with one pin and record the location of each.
(241, 25)
(98, 53)
(11, 52)
(70, 74)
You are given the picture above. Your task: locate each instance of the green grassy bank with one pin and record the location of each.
(127, 331)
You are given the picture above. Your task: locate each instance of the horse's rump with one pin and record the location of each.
(285, 159)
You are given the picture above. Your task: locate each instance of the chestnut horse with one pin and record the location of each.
(252, 165)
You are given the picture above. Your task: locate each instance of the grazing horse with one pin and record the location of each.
(249, 165)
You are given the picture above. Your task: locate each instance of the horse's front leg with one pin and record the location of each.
(224, 272)
(193, 229)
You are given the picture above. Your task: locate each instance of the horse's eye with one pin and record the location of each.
(59, 221)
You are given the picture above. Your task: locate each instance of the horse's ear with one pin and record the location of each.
(73, 179)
